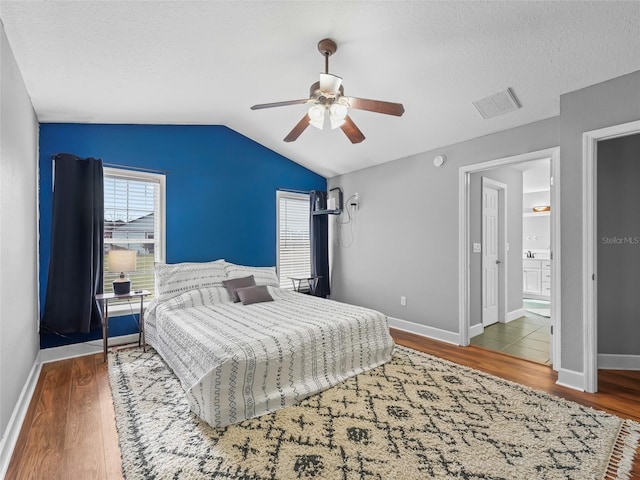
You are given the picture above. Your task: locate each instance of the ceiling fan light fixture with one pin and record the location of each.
(316, 115)
(329, 83)
(337, 115)
(328, 105)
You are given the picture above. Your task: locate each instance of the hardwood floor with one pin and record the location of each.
(69, 430)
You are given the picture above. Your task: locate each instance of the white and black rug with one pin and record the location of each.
(417, 417)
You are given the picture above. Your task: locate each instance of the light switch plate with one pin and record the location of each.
(477, 248)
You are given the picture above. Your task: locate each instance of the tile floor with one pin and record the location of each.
(526, 337)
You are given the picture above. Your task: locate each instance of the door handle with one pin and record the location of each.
(498, 261)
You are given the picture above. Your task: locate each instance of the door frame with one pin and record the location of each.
(590, 141)
(464, 241)
(502, 246)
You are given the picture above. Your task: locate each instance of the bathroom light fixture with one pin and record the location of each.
(542, 208)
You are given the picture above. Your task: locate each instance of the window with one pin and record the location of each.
(134, 220)
(294, 248)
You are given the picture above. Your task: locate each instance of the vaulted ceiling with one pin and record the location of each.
(187, 62)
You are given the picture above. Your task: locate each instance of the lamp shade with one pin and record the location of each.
(330, 83)
(316, 115)
(122, 261)
(338, 113)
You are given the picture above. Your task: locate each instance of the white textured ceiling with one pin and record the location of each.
(184, 62)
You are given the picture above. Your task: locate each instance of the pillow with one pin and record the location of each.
(255, 294)
(236, 283)
(261, 275)
(177, 278)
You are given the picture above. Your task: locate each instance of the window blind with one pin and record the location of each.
(132, 222)
(294, 249)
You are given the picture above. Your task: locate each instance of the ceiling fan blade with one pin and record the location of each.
(330, 83)
(351, 130)
(279, 104)
(377, 106)
(298, 129)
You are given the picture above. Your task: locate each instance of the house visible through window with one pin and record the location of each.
(134, 220)
(294, 250)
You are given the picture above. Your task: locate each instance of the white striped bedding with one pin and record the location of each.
(241, 361)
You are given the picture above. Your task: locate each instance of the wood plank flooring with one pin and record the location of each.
(69, 430)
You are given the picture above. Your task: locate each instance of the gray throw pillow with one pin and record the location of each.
(233, 285)
(256, 294)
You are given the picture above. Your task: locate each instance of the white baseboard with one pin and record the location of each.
(8, 441)
(511, 316)
(425, 330)
(80, 349)
(609, 361)
(571, 379)
(475, 330)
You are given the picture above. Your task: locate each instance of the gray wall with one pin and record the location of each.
(405, 233)
(536, 233)
(18, 234)
(619, 246)
(539, 225)
(513, 179)
(609, 103)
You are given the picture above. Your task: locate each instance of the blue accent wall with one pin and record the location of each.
(220, 191)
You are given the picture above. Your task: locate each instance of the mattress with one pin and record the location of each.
(237, 361)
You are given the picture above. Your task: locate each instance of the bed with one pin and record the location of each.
(238, 361)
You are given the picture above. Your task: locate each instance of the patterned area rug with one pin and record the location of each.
(417, 417)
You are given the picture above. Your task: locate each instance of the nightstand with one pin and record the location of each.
(104, 298)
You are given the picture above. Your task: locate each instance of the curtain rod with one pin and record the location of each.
(118, 165)
(130, 167)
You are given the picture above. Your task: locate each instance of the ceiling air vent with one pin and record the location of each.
(497, 104)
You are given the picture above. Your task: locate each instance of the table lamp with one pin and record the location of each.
(122, 261)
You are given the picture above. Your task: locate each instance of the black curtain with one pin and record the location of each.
(77, 244)
(319, 237)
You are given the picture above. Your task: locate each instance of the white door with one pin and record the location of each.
(490, 258)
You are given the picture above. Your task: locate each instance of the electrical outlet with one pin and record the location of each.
(477, 247)
(403, 301)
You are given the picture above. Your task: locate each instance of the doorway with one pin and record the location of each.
(513, 316)
(591, 276)
(525, 331)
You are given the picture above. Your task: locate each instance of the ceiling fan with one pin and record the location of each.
(327, 103)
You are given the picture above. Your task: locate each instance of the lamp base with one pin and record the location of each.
(121, 287)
